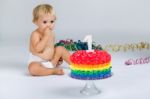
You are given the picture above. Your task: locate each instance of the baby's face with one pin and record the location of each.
(47, 20)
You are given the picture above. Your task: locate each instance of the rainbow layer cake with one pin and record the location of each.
(90, 65)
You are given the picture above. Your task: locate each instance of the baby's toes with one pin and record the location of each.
(59, 72)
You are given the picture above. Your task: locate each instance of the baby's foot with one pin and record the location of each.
(59, 71)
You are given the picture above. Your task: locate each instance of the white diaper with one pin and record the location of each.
(45, 63)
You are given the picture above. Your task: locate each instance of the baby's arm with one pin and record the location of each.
(38, 43)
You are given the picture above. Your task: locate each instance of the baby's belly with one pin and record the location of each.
(46, 54)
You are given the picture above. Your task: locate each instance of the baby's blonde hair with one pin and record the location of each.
(42, 9)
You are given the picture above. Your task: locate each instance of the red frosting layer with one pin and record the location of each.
(90, 58)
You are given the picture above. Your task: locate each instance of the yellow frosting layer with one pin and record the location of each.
(90, 67)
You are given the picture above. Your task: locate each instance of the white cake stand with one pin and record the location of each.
(90, 88)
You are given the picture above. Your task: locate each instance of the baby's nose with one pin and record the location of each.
(48, 25)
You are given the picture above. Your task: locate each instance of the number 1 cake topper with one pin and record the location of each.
(88, 39)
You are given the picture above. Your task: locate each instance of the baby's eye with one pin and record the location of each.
(44, 22)
(52, 21)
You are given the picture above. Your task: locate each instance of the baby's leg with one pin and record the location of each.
(37, 69)
(60, 52)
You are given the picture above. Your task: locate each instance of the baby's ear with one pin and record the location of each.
(35, 23)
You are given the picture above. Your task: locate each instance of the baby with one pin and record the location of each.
(44, 57)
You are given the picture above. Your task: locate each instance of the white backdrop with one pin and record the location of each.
(107, 20)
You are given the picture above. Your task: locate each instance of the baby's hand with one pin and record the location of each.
(47, 31)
